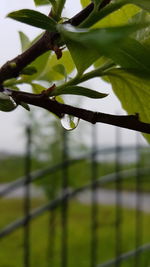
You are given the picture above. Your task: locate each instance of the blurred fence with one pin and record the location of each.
(89, 194)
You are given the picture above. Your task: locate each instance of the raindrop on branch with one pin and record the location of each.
(69, 122)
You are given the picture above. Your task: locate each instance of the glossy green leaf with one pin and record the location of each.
(39, 64)
(94, 43)
(96, 15)
(79, 90)
(29, 70)
(133, 92)
(59, 99)
(82, 56)
(97, 2)
(33, 18)
(59, 6)
(25, 106)
(112, 7)
(14, 87)
(131, 55)
(10, 82)
(119, 17)
(49, 74)
(145, 4)
(42, 2)
(6, 103)
(25, 42)
(142, 35)
(97, 38)
(101, 61)
(113, 43)
(37, 88)
(61, 70)
(85, 3)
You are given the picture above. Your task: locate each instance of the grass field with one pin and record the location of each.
(79, 220)
(79, 173)
(79, 236)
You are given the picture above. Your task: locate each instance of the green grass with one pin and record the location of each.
(80, 173)
(13, 167)
(79, 236)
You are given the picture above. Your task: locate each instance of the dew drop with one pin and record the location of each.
(69, 122)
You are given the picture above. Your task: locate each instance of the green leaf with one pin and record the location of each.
(133, 92)
(119, 17)
(39, 64)
(131, 55)
(97, 2)
(59, 7)
(82, 56)
(142, 35)
(144, 4)
(33, 18)
(29, 70)
(97, 15)
(109, 9)
(86, 46)
(37, 88)
(49, 74)
(85, 3)
(25, 106)
(61, 70)
(14, 88)
(25, 42)
(97, 38)
(42, 2)
(101, 61)
(78, 90)
(113, 43)
(59, 99)
(6, 103)
(10, 82)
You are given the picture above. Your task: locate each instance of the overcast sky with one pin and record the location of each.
(11, 127)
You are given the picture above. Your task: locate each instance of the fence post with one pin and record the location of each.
(118, 198)
(64, 206)
(27, 199)
(139, 219)
(94, 202)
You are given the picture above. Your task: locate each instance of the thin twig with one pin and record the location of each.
(49, 41)
(42, 100)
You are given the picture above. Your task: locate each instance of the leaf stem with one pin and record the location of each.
(97, 72)
(103, 11)
(87, 76)
(41, 100)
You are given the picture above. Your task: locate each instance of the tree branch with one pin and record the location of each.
(12, 68)
(51, 41)
(47, 42)
(42, 100)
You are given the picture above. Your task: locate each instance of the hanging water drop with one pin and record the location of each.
(69, 122)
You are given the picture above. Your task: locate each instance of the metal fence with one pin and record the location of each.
(90, 196)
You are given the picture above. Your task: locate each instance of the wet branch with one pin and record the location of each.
(51, 41)
(42, 100)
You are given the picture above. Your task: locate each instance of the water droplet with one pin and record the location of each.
(69, 122)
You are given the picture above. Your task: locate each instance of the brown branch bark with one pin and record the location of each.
(12, 68)
(47, 42)
(41, 100)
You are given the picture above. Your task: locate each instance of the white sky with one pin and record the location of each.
(11, 128)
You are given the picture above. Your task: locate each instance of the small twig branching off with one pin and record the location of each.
(51, 41)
